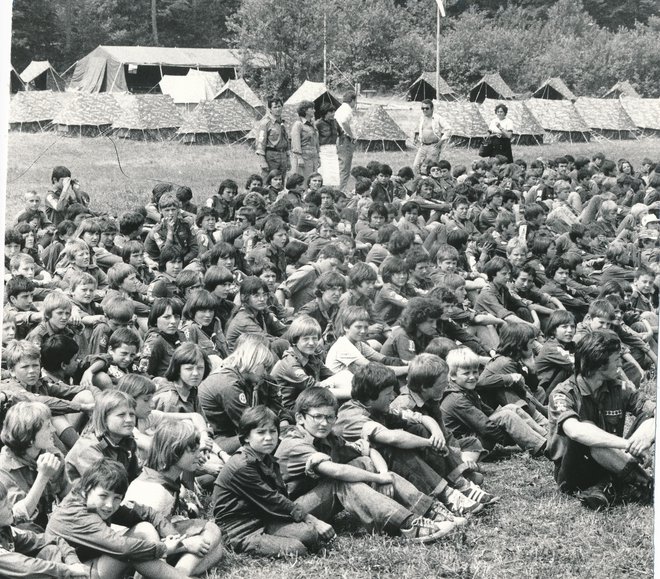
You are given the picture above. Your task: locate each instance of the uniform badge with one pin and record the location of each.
(242, 399)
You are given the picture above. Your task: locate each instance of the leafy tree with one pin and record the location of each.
(35, 33)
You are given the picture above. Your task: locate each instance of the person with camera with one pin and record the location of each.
(65, 191)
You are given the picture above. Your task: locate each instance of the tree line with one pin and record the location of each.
(382, 44)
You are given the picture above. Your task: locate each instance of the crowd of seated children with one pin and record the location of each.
(284, 348)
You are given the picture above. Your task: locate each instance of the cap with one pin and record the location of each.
(650, 218)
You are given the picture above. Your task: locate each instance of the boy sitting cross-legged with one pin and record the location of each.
(29, 554)
(412, 444)
(83, 519)
(324, 472)
(465, 414)
(427, 381)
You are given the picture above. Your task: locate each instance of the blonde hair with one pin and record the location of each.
(106, 403)
(461, 358)
(252, 350)
(16, 350)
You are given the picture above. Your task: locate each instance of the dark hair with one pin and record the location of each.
(418, 310)
(184, 193)
(59, 172)
(250, 286)
(105, 473)
(532, 211)
(314, 397)
(254, 417)
(390, 266)
(558, 318)
(495, 265)
(514, 339)
(303, 107)
(415, 256)
(409, 206)
(124, 336)
(400, 242)
(253, 177)
(370, 380)
(329, 280)
(198, 300)
(216, 275)
(272, 226)
(273, 100)
(501, 106)
(360, 273)
(169, 253)
(56, 350)
(203, 212)
(186, 353)
(159, 307)
(130, 222)
(557, 263)
(227, 184)
(594, 350)
(18, 284)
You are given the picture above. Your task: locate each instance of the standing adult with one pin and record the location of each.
(501, 131)
(587, 415)
(305, 142)
(327, 130)
(432, 134)
(273, 140)
(346, 141)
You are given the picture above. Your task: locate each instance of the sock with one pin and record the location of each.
(68, 437)
(407, 523)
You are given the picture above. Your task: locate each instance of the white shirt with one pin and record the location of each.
(506, 125)
(346, 119)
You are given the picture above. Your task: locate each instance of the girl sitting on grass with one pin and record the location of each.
(176, 451)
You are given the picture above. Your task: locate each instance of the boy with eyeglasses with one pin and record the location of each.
(324, 473)
(432, 134)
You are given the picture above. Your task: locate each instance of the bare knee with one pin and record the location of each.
(145, 531)
(212, 533)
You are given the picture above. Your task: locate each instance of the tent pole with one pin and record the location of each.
(437, 51)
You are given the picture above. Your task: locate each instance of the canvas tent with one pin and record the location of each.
(606, 117)
(622, 89)
(33, 111)
(87, 115)
(377, 131)
(146, 117)
(315, 92)
(560, 120)
(526, 129)
(466, 125)
(424, 88)
(224, 120)
(242, 89)
(188, 91)
(40, 75)
(644, 113)
(554, 89)
(491, 86)
(15, 82)
(140, 68)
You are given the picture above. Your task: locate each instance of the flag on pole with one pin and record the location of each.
(441, 7)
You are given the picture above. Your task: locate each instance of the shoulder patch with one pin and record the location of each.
(411, 346)
(561, 401)
(242, 399)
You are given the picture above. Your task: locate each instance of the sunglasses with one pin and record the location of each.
(426, 108)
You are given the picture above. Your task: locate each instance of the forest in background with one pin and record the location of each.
(381, 44)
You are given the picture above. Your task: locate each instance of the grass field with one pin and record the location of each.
(533, 532)
(121, 178)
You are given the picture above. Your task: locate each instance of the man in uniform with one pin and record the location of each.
(273, 140)
(432, 134)
(587, 414)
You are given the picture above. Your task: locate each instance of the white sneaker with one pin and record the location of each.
(440, 513)
(424, 530)
(459, 504)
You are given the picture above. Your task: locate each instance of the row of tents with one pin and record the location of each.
(493, 86)
(232, 114)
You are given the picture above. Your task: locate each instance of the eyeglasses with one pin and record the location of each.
(318, 418)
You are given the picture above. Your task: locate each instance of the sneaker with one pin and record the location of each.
(478, 495)
(459, 504)
(423, 530)
(439, 513)
(594, 498)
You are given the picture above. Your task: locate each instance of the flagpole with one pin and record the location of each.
(437, 52)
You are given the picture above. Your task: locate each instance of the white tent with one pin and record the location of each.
(189, 90)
